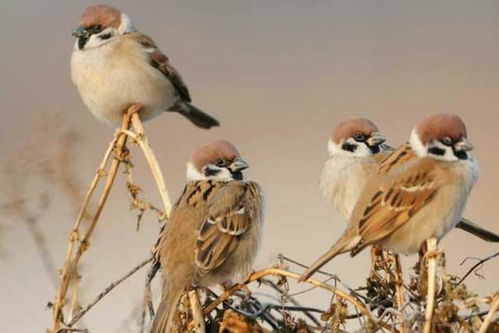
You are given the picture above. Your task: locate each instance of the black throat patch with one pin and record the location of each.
(374, 149)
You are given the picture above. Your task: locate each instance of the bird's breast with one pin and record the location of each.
(109, 82)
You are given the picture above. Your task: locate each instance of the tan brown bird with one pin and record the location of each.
(355, 148)
(214, 231)
(113, 66)
(421, 192)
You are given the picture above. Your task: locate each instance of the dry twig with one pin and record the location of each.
(119, 143)
(430, 299)
(490, 316)
(106, 291)
(475, 266)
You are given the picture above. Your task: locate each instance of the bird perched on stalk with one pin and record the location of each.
(356, 148)
(113, 66)
(420, 192)
(214, 231)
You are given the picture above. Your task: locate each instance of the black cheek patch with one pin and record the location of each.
(437, 151)
(348, 147)
(211, 172)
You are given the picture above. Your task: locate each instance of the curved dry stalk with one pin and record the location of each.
(490, 316)
(197, 313)
(283, 273)
(475, 266)
(399, 292)
(119, 142)
(143, 143)
(430, 299)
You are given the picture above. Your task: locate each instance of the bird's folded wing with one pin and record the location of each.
(395, 158)
(396, 200)
(160, 61)
(229, 217)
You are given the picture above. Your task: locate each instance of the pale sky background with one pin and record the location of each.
(279, 75)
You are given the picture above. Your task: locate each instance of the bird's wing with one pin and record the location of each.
(160, 61)
(231, 210)
(394, 158)
(397, 199)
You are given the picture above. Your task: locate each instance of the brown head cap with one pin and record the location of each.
(440, 125)
(212, 152)
(348, 128)
(103, 15)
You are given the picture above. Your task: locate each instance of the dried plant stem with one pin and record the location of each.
(106, 291)
(143, 143)
(490, 316)
(399, 292)
(283, 273)
(431, 245)
(479, 263)
(197, 312)
(118, 142)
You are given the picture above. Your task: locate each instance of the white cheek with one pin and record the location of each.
(449, 153)
(416, 144)
(192, 174)
(333, 148)
(223, 175)
(362, 149)
(95, 41)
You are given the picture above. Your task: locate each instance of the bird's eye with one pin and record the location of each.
(97, 28)
(359, 137)
(221, 162)
(447, 141)
(106, 36)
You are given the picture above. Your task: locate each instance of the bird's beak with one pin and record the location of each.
(80, 32)
(238, 165)
(375, 139)
(464, 145)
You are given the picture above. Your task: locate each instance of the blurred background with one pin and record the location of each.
(279, 75)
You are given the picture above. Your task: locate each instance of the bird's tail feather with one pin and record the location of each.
(163, 320)
(343, 245)
(195, 115)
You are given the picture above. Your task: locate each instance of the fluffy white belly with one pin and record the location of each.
(342, 181)
(107, 88)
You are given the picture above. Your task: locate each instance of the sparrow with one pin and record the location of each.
(420, 192)
(355, 147)
(113, 66)
(215, 227)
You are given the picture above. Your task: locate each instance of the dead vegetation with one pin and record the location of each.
(385, 303)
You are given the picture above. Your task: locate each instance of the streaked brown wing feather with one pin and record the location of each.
(229, 217)
(395, 158)
(396, 201)
(161, 62)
